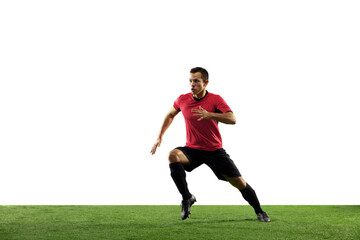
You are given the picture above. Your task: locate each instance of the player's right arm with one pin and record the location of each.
(166, 123)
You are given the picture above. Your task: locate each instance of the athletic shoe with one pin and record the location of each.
(263, 217)
(186, 205)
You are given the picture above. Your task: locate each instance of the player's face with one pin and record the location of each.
(197, 84)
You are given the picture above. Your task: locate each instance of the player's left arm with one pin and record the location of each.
(227, 118)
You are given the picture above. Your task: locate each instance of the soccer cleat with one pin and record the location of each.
(186, 205)
(263, 217)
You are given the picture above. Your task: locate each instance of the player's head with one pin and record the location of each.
(204, 73)
(199, 79)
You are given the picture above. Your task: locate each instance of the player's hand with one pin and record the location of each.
(202, 113)
(156, 145)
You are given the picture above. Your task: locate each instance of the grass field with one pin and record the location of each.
(163, 222)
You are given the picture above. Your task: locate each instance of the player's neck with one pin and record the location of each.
(200, 94)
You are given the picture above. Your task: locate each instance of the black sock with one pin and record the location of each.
(179, 176)
(250, 196)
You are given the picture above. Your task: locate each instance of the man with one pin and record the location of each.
(202, 111)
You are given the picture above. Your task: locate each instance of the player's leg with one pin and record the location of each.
(177, 155)
(246, 190)
(225, 169)
(177, 161)
(249, 195)
(237, 182)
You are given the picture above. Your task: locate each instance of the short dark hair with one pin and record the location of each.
(204, 73)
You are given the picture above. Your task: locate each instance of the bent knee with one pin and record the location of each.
(174, 156)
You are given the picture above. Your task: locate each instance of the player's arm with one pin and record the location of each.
(165, 125)
(227, 118)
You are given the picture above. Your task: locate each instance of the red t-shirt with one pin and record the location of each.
(204, 134)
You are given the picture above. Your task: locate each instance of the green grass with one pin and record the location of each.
(163, 222)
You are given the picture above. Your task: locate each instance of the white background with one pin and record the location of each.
(85, 86)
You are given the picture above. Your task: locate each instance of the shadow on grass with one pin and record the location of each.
(188, 222)
(217, 221)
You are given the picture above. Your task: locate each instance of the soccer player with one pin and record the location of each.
(202, 111)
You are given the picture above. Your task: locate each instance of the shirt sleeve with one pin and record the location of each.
(222, 106)
(177, 104)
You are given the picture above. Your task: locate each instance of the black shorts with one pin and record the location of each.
(219, 161)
